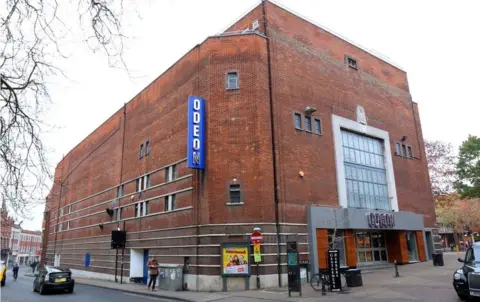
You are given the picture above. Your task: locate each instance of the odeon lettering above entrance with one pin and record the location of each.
(362, 219)
(381, 220)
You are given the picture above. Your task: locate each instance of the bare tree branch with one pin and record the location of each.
(31, 35)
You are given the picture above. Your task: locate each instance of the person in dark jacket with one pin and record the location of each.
(153, 270)
(15, 270)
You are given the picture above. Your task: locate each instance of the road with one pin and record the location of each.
(420, 282)
(21, 290)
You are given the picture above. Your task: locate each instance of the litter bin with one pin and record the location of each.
(170, 278)
(354, 277)
(437, 259)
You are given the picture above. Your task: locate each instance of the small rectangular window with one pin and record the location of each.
(398, 150)
(298, 121)
(59, 227)
(120, 191)
(308, 123)
(409, 152)
(318, 126)
(404, 150)
(146, 182)
(69, 209)
(140, 155)
(141, 209)
(170, 202)
(68, 225)
(235, 193)
(145, 208)
(61, 212)
(171, 173)
(232, 80)
(352, 63)
(166, 205)
(118, 213)
(139, 184)
(147, 147)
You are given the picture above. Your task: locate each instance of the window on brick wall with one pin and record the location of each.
(68, 225)
(398, 149)
(61, 212)
(308, 123)
(170, 202)
(171, 173)
(351, 62)
(232, 80)
(120, 191)
(142, 151)
(141, 208)
(59, 227)
(317, 126)
(298, 120)
(69, 209)
(235, 193)
(147, 147)
(409, 152)
(404, 150)
(117, 214)
(143, 183)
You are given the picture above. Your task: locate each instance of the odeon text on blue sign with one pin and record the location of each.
(196, 133)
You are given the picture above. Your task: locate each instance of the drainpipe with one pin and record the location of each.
(274, 147)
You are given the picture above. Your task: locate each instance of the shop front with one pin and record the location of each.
(365, 238)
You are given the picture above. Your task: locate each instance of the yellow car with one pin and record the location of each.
(3, 272)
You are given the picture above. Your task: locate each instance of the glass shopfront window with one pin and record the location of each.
(336, 240)
(412, 246)
(371, 247)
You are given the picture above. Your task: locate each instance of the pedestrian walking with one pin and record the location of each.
(153, 271)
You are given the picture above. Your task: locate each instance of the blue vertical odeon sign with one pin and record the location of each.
(196, 133)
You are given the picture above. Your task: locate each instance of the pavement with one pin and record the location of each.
(417, 282)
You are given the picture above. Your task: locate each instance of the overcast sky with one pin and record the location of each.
(436, 42)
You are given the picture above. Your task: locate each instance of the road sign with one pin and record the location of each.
(256, 238)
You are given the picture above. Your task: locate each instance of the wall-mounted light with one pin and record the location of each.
(109, 212)
(234, 180)
(100, 226)
(404, 138)
(310, 110)
(301, 173)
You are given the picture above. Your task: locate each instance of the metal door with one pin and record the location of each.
(145, 268)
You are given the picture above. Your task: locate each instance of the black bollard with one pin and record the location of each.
(396, 269)
(324, 292)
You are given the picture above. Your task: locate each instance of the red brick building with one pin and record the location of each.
(305, 133)
(6, 224)
(29, 247)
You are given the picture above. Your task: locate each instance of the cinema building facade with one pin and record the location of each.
(297, 131)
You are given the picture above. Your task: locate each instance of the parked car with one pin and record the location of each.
(3, 273)
(466, 280)
(51, 278)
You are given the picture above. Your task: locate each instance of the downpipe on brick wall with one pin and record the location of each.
(274, 147)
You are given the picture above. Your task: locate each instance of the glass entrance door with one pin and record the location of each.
(371, 248)
(412, 246)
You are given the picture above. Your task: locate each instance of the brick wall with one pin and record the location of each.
(308, 69)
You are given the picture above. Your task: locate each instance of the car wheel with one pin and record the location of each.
(463, 297)
(70, 290)
(41, 290)
(3, 282)
(34, 289)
